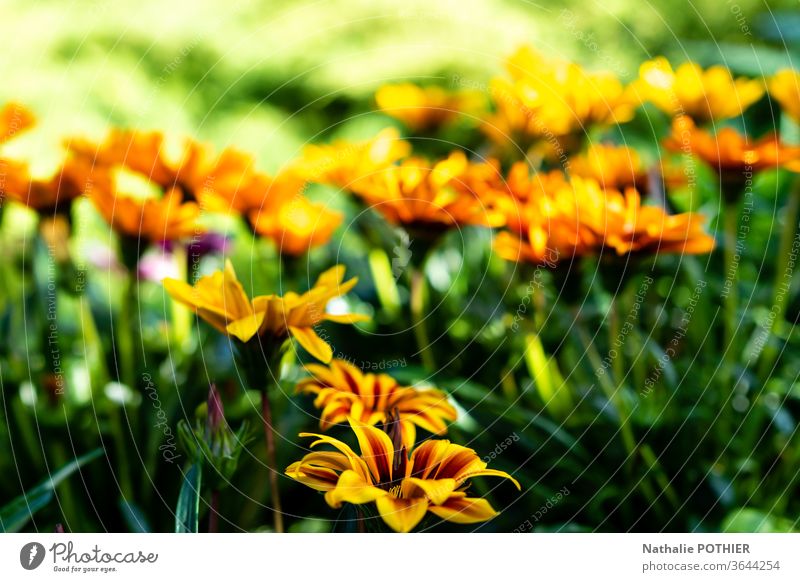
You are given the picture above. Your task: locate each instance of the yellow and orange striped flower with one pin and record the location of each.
(426, 108)
(342, 390)
(703, 95)
(434, 478)
(220, 300)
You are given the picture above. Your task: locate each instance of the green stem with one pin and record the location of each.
(66, 494)
(612, 393)
(127, 335)
(118, 436)
(418, 292)
(213, 512)
(618, 362)
(614, 396)
(783, 279)
(730, 219)
(272, 464)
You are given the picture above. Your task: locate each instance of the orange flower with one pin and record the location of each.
(185, 171)
(51, 195)
(429, 199)
(552, 98)
(426, 108)
(623, 224)
(344, 163)
(250, 192)
(785, 89)
(14, 118)
(404, 489)
(153, 219)
(615, 167)
(729, 153)
(296, 225)
(704, 95)
(220, 300)
(343, 391)
(582, 218)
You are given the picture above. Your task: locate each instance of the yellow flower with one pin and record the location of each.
(404, 489)
(344, 391)
(426, 108)
(552, 98)
(14, 118)
(220, 300)
(785, 89)
(427, 198)
(704, 95)
(615, 167)
(343, 163)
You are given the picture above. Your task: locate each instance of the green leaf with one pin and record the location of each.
(16, 514)
(134, 517)
(547, 378)
(188, 510)
(751, 520)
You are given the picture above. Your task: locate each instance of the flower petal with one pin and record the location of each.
(376, 450)
(246, 327)
(313, 344)
(464, 510)
(436, 490)
(402, 515)
(353, 488)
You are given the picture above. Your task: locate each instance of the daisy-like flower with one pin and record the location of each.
(582, 218)
(555, 98)
(277, 209)
(52, 195)
(541, 225)
(184, 165)
(730, 154)
(162, 219)
(342, 390)
(220, 300)
(426, 108)
(14, 118)
(434, 478)
(343, 163)
(296, 225)
(784, 87)
(623, 224)
(704, 95)
(615, 167)
(427, 198)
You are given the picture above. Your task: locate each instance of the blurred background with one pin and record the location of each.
(270, 76)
